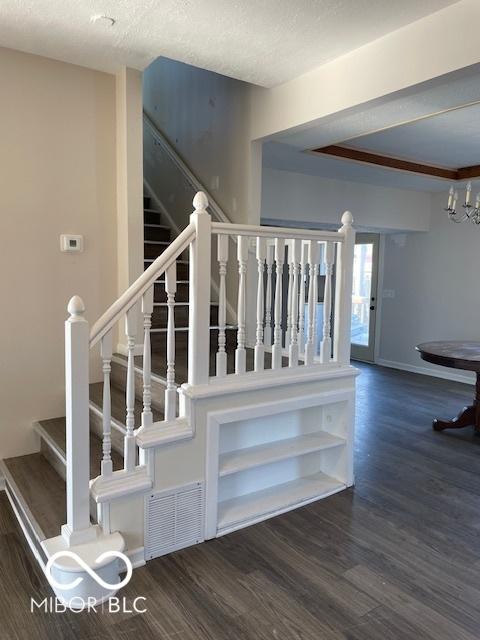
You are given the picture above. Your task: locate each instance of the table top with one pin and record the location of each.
(456, 354)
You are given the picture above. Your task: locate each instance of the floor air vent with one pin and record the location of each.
(173, 519)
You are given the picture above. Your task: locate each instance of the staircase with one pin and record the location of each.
(36, 483)
(205, 432)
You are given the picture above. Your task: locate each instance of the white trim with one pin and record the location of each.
(121, 483)
(2, 483)
(448, 374)
(379, 296)
(253, 380)
(47, 438)
(26, 532)
(136, 556)
(163, 432)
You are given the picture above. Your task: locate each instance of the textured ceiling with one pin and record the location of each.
(265, 43)
(435, 123)
(450, 139)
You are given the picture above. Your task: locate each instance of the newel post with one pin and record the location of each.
(343, 293)
(199, 293)
(77, 529)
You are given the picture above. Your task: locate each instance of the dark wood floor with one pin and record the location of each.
(397, 557)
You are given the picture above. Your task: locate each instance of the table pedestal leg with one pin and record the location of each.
(469, 417)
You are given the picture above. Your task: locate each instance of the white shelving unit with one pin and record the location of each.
(267, 467)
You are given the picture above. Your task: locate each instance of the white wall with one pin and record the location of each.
(437, 292)
(395, 62)
(294, 198)
(57, 175)
(205, 117)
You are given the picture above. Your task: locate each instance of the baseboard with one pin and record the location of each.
(136, 556)
(448, 374)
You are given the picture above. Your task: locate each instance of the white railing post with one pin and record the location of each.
(313, 260)
(277, 332)
(222, 258)
(106, 355)
(288, 332)
(240, 351)
(171, 390)
(259, 346)
(129, 439)
(199, 293)
(267, 335)
(343, 291)
(301, 299)
(77, 528)
(295, 258)
(326, 344)
(147, 310)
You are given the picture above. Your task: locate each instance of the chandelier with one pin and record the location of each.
(470, 212)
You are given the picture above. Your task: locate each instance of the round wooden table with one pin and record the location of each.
(457, 355)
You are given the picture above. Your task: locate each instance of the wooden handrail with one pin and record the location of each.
(136, 290)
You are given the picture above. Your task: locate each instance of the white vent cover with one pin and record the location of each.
(173, 519)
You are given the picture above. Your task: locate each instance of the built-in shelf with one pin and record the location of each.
(241, 459)
(256, 506)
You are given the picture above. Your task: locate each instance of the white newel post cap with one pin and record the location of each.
(76, 307)
(200, 202)
(347, 219)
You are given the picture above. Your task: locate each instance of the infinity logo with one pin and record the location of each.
(71, 585)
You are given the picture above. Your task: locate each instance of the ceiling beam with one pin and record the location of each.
(388, 162)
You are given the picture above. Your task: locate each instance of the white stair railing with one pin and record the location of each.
(294, 252)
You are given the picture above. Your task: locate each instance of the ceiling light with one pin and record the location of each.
(106, 21)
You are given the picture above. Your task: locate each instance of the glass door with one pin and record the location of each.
(364, 296)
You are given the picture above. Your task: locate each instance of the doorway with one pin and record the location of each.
(364, 296)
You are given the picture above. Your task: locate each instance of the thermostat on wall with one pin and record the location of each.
(71, 243)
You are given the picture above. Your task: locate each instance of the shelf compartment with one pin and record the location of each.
(254, 507)
(242, 459)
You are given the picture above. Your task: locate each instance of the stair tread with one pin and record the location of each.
(42, 489)
(56, 429)
(118, 404)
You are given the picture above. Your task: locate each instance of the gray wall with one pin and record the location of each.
(435, 277)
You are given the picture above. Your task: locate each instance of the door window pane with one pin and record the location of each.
(362, 288)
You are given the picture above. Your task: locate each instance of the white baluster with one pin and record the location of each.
(240, 352)
(277, 334)
(343, 291)
(326, 344)
(147, 310)
(130, 331)
(259, 346)
(313, 259)
(267, 336)
(171, 390)
(222, 257)
(301, 296)
(295, 250)
(106, 355)
(288, 333)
